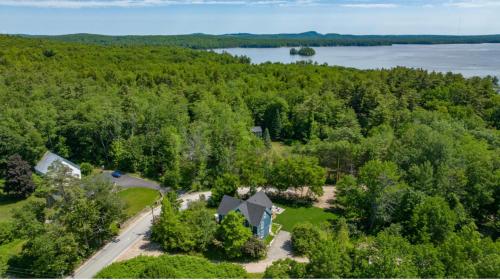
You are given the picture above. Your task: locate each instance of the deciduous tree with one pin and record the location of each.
(18, 180)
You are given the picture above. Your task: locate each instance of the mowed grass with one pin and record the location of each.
(295, 215)
(136, 199)
(9, 250)
(9, 203)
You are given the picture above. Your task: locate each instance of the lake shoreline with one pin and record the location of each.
(467, 59)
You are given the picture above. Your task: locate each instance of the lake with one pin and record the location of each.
(468, 59)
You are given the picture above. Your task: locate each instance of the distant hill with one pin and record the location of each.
(247, 40)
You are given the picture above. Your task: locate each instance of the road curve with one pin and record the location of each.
(134, 232)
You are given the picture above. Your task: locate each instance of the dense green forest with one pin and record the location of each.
(244, 40)
(415, 155)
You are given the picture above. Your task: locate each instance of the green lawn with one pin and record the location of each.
(295, 215)
(137, 199)
(7, 251)
(8, 203)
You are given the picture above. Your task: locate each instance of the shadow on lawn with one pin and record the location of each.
(6, 199)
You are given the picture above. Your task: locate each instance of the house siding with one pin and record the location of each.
(265, 224)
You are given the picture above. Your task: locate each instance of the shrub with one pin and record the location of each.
(86, 168)
(284, 269)
(6, 233)
(304, 238)
(167, 266)
(254, 248)
(291, 199)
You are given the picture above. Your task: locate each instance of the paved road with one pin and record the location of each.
(127, 181)
(126, 239)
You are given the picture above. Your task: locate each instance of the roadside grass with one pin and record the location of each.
(9, 250)
(295, 215)
(136, 199)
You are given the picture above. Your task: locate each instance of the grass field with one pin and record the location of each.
(137, 199)
(9, 203)
(295, 215)
(8, 250)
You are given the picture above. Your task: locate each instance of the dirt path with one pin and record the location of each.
(325, 201)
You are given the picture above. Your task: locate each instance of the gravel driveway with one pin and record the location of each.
(280, 249)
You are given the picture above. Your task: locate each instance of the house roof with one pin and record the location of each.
(48, 158)
(256, 129)
(260, 198)
(253, 211)
(227, 204)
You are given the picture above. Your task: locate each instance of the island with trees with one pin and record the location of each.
(414, 157)
(303, 51)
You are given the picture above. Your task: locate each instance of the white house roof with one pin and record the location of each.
(48, 158)
(256, 129)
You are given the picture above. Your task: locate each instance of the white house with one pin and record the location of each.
(42, 167)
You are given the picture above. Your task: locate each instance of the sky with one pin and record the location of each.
(165, 17)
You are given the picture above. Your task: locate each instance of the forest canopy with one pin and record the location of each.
(244, 40)
(415, 155)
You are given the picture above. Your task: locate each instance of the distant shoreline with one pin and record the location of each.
(307, 39)
(469, 60)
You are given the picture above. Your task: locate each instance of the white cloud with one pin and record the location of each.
(473, 3)
(370, 5)
(143, 3)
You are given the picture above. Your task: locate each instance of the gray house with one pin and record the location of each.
(257, 130)
(42, 167)
(257, 211)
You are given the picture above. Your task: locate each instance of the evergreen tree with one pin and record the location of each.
(267, 138)
(276, 125)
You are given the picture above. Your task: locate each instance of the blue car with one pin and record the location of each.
(116, 174)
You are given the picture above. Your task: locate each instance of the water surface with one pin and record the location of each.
(468, 59)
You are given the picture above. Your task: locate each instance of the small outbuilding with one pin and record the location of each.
(257, 130)
(42, 167)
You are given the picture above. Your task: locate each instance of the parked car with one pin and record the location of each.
(116, 174)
